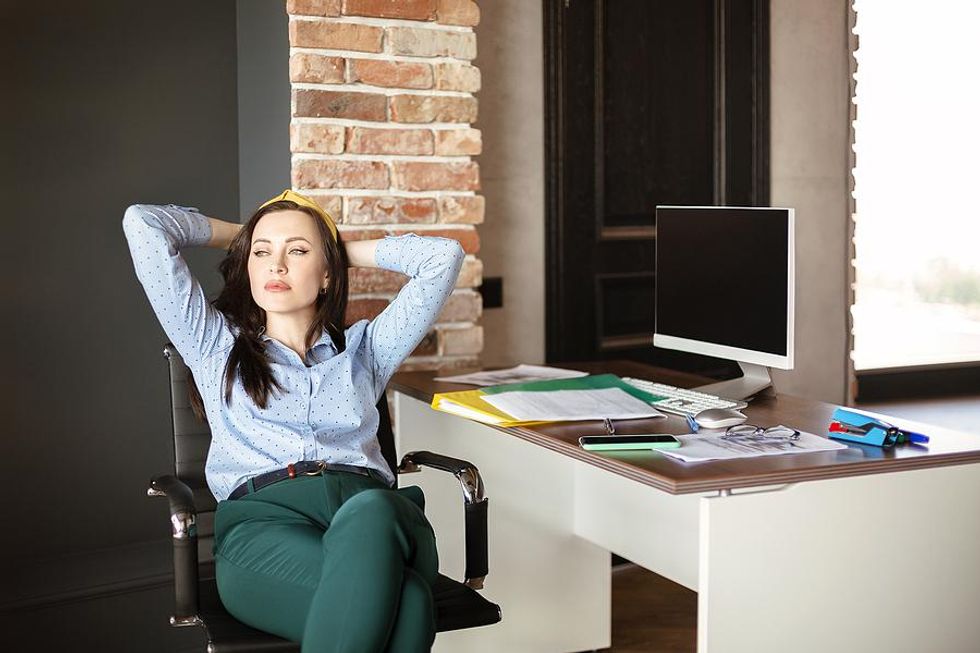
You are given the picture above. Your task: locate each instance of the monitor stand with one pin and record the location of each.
(755, 378)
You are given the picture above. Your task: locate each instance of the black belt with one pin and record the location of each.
(302, 468)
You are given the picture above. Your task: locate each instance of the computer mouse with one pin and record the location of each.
(719, 418)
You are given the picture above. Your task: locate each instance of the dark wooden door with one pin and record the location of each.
(647, 102)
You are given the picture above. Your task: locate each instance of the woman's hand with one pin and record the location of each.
(360, 253)
(222, 233)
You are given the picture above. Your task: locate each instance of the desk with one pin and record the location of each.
(862, 549)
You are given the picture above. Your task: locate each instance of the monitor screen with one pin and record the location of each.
(724, 282)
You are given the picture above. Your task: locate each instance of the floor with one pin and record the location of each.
(651, 613)
(125, 623)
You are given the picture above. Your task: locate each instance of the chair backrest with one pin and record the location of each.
(192, 438)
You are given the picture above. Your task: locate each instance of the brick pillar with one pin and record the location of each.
(380, 135)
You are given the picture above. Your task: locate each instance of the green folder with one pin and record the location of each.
(591, 382)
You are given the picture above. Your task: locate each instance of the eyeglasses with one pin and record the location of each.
(778, 433)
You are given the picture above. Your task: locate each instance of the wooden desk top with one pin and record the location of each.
(946, 447)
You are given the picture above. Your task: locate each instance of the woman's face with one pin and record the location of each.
(287, 266)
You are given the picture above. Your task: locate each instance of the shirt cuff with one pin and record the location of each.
(194, 226)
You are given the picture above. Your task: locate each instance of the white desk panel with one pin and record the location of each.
(878, 564)
(554, 588)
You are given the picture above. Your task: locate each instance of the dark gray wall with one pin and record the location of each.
(105, 104)
(263, 102)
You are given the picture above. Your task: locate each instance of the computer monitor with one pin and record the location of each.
(724, 279)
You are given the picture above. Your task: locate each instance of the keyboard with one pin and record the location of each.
(679, 401)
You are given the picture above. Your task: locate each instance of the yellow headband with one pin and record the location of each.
(302, 200)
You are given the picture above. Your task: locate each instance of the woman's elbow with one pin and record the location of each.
(440, 254)
(453, 256)
(455, 250)
(133, 219)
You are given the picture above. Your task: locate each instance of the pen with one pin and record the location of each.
(915, 438)
(692, 423)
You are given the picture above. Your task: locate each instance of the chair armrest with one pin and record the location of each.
(179, 493)
(183, 521)
(475, 506)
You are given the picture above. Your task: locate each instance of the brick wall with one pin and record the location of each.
(381, 137)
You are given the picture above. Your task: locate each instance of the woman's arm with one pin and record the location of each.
(360, 253)
(222, 233)
(433, 263)
(156, 234)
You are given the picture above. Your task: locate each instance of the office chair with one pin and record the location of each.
(192, 508)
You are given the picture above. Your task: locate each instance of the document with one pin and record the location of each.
(697, 448)
(572, 405)
(474, 404)
(518, 374)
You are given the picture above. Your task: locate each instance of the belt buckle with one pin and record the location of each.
(291, 469)
(320, 466)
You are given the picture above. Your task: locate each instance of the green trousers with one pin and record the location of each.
(338, 562)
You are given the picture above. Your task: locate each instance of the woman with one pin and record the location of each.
(311, 541)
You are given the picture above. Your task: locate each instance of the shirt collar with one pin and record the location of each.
(324, 339)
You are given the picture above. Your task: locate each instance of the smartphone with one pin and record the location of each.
(626, 442)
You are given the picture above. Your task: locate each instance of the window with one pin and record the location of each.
(917, 175)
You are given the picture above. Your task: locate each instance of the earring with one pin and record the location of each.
(323, 291)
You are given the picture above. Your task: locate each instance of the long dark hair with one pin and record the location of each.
(248, 359)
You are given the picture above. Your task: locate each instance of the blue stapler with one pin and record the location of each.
(854, 426)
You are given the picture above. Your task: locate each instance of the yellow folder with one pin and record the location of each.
(470, 404)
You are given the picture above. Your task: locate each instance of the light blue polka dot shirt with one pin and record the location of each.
(328, 410)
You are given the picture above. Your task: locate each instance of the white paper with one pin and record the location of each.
(572, 405)
(519, 374)
(697, 448)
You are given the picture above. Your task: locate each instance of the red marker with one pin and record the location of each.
(837, 427)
